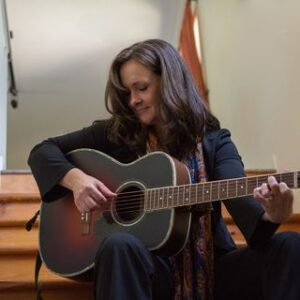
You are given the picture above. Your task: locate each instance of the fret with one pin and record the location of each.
(181, 196)
(278, 177)
(155, 199)
(146, 199)
(159, 197)
(153, 191)
(214, 191)
(207, 191)
(261, 180)
(289, 179)
(223, 189)
(186, 194)
(170, 196)
(251, 185)
(153, 196)
(232, 188)
(166, 196)
(241, 187)
(193, 194)
(176, 195)
(227, 189)
(199, 196)
(164, 199)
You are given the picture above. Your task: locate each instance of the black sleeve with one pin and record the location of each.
(246, 211)
(48, 162)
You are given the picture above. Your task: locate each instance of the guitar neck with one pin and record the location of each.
(200, 193)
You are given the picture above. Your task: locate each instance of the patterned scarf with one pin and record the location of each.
(193, 266)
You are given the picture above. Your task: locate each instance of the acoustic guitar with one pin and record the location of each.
(154, 197)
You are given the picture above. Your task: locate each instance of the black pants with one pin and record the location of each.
(126, 270)
(268, 272)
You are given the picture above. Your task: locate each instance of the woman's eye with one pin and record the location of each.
(143, 88)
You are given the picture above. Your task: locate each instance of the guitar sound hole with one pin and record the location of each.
(129, 204)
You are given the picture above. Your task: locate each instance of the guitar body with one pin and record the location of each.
(66, 251)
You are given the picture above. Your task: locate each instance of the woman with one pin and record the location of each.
(155, 105)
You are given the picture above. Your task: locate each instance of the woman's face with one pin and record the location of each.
(143, 91)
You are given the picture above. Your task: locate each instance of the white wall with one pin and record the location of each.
(62, 51)
(3, 86)
(251, 52)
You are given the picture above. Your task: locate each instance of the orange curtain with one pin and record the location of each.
(187, 48)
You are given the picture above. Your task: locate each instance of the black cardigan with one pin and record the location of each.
(48, 163)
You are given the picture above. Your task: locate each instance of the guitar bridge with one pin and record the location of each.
(85, 223)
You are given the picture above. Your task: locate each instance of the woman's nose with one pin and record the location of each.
(134, 99)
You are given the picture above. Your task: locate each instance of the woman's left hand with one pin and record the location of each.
(276, 199)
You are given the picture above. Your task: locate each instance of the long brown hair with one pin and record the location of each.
(184, 113)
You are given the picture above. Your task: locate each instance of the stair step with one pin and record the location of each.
(79, 293)
(17, 213)
(23, 275)
(17, 278)
(16, 240)
(292, 224)
(14, 184)
(19, 198)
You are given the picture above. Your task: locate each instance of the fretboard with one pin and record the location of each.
(192, 194)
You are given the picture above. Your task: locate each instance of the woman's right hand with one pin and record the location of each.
(89, 193)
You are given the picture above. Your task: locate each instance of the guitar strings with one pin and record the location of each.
(212, 189)
(136, 204)
(132, 201)
(249, 181)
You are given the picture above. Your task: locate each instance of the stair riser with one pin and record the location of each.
(58, 294)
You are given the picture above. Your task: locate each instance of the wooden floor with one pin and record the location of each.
(19, 200)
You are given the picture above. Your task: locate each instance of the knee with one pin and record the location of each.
(288, 241)
(288, 237)
(122, 248)
(120, 242)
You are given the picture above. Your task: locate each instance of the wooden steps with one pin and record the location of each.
(19, 200)
(293, 224)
